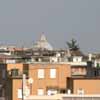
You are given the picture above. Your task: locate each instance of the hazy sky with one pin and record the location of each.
(23, 21)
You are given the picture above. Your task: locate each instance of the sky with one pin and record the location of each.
(23, 21)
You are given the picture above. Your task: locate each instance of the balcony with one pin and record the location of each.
(78, 73)
(15, 73)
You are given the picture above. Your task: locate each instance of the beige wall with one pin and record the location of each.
(16, 84)
(62, 71)
(20, 66)
(17, 65)
(90, 86)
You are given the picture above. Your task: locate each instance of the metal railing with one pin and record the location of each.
(65, 97)
(81, 97)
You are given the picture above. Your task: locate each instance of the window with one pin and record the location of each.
(40, 73)
(52, 73)
(19, 93)
(40, 92)
(99, 72)
(26, 92)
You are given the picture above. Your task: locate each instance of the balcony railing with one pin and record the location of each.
(81, 97)
(64, 97)
(16, 73)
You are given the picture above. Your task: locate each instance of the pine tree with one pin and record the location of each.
(72, 45)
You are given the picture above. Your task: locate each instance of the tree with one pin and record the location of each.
(72, 45)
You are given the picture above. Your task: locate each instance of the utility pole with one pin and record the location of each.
(23, 86)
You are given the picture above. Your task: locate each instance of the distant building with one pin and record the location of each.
(42, 44)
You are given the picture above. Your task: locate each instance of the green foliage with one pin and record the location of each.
(72, 45)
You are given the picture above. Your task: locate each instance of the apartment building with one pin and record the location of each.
(84, 85)
(48, 72)
(7, 71)
(53, 78)
(47, 79)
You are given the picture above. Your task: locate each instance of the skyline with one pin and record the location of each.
(22, 22)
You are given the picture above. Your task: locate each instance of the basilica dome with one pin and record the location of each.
(42, 44)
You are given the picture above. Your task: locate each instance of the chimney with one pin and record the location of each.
(68, 53)
(90, 57)
(89, 62)
(95, 63)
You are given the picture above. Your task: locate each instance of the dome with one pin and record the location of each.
(43, 44)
